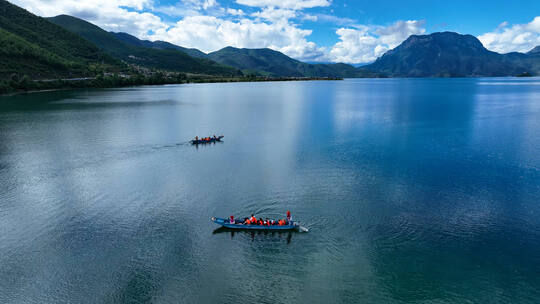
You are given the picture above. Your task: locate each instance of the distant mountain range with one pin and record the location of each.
(165, 58)
(273, 63)
(262, 62)
(65, 46)
(160, 45)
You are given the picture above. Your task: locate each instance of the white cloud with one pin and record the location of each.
(192, 8)
(309, 17)
(365, 43)
(290, 4)
(235, 12)
(268, 26)
(275, 14)
(335, 19)
(118, 16)
(210, 33)
(516, 38)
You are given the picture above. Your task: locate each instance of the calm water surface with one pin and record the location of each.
(414, 191)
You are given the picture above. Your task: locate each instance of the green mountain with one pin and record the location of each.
(450, 54)
(140, 55)
(32, 46)
(160, 45)
(273, 63)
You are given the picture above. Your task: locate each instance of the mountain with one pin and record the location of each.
(536, 50)
(449, 54)
(32, 46)
(141, 55)
(273, 63)
(160, 45)
(265, 62)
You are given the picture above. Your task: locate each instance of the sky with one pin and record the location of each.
(346, 31)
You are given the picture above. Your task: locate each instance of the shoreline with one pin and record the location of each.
(63, 84)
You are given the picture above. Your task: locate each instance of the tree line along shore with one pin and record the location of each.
(20, 84)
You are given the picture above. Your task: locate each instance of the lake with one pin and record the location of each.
(413, 190)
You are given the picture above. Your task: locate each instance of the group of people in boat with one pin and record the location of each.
(206, 139)
(252, 220)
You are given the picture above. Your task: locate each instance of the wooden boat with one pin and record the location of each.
(202, 141)
(227, 224)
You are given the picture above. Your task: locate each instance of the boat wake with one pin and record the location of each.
(302, 229)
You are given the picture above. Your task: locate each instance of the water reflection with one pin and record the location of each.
(254, 233)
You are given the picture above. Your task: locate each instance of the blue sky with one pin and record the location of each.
(311, 30)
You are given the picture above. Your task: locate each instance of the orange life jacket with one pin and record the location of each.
(248, 222)
(253, 219)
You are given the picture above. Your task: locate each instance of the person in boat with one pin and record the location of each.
(267, 222)
(252, 219)
(196, 138)
(272, 222)
(232, 220)
(260, 221)
(289, 217)
(281, 222)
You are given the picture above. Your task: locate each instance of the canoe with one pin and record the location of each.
(227, 224)
(200, 141)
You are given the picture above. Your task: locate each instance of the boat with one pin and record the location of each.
(208, 141)
(227, 224)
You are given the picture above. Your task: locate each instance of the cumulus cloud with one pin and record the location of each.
(363, 43)
(515, 38)
(118, 16)
(235, 12)
(275, 14)
(290, 4)
(210, 33)
(268, 26)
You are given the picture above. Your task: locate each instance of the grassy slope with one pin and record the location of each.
(33, 46)
(166, 59)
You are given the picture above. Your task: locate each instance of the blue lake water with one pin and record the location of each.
(414, 191)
